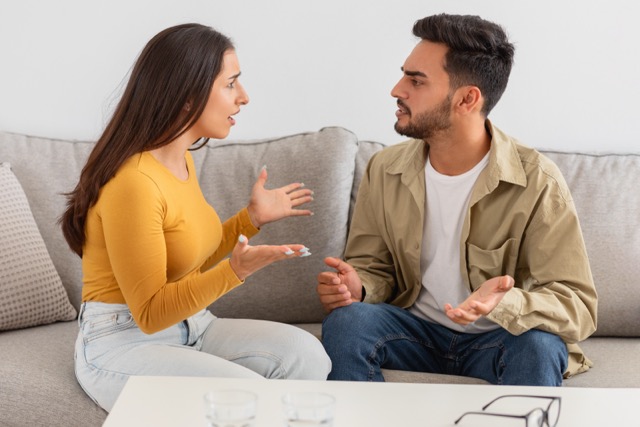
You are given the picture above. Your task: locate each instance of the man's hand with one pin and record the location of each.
(481, 302)
(341, 288)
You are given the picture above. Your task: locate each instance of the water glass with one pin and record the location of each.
(308, 409)
(230, 408)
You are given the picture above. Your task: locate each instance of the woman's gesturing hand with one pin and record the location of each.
(246, 260)
(268, 206)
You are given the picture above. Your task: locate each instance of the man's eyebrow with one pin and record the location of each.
(413, 73)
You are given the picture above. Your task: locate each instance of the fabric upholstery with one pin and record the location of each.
(607, 197)
(37, 383)
(31, 292)
(46, 168)
(325, 162)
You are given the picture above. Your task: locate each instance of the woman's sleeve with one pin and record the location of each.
(232, 228)
(136, 247)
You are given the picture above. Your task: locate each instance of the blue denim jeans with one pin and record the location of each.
(110, 348)
(363, 338)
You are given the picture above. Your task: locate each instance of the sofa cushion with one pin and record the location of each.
(37, 384)
(46, 168)
(228, 169)
(31, 292)
(607, 198)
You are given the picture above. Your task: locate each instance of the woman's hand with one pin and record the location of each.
(268, 206)
(246, 260)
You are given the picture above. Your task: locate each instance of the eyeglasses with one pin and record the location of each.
(537, 417)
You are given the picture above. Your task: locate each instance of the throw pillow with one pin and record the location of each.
(31, 292)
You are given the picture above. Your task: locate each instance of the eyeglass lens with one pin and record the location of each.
(535, 418)
(553, 412)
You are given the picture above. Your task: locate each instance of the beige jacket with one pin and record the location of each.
(521, 221)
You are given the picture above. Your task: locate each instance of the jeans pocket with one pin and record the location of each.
(98, 326)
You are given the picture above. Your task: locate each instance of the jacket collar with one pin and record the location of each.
(504, 162)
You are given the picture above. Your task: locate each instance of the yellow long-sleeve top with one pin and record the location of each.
(151, 242)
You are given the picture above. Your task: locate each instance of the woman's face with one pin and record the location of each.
(225, 99)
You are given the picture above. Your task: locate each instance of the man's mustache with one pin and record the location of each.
(403, 106)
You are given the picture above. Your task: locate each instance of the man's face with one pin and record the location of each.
(423, 95)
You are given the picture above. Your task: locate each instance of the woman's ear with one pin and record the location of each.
(187, 106)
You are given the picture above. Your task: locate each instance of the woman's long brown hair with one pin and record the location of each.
(177, 67)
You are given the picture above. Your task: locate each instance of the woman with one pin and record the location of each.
(152, 248)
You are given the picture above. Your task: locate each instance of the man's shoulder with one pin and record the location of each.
(542, 172)
(532, 160)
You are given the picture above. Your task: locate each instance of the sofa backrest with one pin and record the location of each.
(607, 197)
(329, 162)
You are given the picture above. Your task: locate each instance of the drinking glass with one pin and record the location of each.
(310, 409)
(230, 408)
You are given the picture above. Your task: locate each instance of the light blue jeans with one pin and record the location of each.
(110, 347)
(363, 338)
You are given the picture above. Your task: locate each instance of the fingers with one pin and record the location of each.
(300, 212)
(338, 264)
(243, 242)
(333, 296)
(506, 283)
(329, 278)
(262, 177)
(460, 315)
(301, 196)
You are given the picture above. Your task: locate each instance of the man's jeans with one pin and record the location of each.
(363, 338)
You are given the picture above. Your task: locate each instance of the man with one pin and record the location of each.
(465, 248)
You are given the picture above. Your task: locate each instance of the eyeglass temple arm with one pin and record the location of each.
(520, 395)
(489, 413)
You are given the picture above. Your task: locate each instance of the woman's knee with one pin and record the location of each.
(310, 360)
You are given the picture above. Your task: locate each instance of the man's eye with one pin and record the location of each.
(416, 82)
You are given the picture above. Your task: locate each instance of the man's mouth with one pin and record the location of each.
(402, 109)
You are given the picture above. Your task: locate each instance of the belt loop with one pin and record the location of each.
(81, 312)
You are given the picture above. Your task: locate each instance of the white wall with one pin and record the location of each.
(308, 64)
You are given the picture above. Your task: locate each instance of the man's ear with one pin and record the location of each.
(469, 99)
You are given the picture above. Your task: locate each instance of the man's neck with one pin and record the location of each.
(457, 151)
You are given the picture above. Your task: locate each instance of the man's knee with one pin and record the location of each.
(349, 321)
(542, 354)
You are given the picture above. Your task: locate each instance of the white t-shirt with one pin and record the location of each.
(447, 202)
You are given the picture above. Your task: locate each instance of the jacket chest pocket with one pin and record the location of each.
(484, 264)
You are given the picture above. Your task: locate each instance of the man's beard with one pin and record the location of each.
(428, 123)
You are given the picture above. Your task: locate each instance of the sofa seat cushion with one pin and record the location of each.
(615, 363)
(37, 381)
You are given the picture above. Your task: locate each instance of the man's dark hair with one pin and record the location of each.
(479, 54)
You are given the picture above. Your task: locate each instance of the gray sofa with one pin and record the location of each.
(37, 383)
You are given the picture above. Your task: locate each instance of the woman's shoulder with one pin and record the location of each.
(134, 177)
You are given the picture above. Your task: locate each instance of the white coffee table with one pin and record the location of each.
(177, 401)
